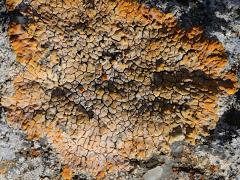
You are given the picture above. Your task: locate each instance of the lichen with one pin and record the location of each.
(110, 81)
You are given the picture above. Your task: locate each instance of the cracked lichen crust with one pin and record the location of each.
(110, 81)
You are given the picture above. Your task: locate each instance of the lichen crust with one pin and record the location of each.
(111, 81)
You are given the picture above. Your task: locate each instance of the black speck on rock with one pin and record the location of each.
(79, 177)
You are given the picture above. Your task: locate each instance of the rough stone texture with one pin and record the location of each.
(159, 173)
(67, 76)
(23, 159)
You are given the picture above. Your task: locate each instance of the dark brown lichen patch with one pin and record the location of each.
(110, 81)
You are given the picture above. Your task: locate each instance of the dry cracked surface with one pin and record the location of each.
(111, 81)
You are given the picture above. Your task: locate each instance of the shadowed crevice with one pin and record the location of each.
(197, 78)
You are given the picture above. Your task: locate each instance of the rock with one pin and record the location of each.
(159, 173)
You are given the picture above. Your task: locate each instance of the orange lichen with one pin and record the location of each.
(66, 173)
(113, 81)
(5, 165)
(11, 4)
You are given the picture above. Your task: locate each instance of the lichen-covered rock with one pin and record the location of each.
(111, 81)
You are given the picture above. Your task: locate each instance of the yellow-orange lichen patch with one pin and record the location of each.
(66, 173)
(11, 4)
(111, 81)
(5, 166)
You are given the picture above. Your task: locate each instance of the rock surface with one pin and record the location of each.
(118, 89)
(159, 173)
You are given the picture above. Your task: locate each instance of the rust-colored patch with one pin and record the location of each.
(66, 173)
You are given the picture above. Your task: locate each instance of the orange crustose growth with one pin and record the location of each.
(111, 81)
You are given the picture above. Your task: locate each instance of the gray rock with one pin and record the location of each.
(177, 148)
(154, 174)
(159, 173)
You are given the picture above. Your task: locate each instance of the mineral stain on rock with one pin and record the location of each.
(117, 81)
